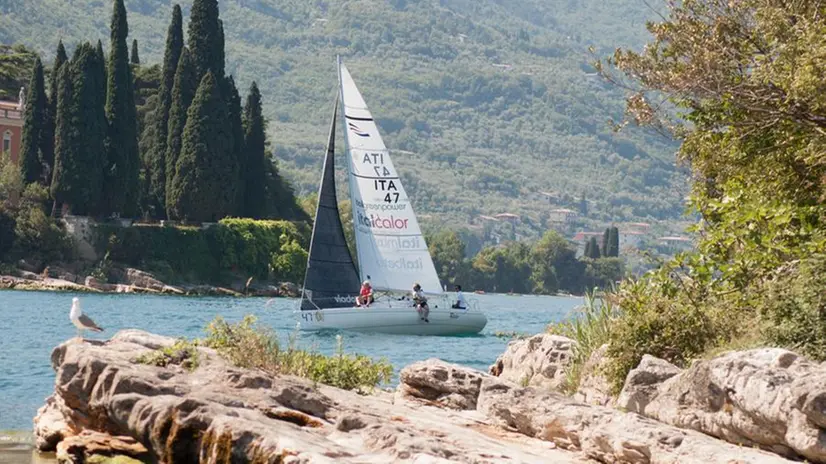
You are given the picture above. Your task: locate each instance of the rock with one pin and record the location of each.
(30, 266)
(49, 425)
(289, 289)
(30, 275)
(60, 273)
(642, 382)
(209, 290)
(766, 397)
(220, 413)
(79, 448)
(538, 361)
(594, 387)
(143, 279)
(604, 434)
(447, 384)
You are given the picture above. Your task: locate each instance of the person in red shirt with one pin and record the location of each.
(365, 295)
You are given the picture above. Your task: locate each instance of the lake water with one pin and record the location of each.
(33, 323)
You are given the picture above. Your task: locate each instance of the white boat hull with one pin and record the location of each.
(399, 318)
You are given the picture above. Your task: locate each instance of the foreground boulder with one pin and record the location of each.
(538, 361)
(594, 387)
(767, 397)
(602, 433)
(219, 413)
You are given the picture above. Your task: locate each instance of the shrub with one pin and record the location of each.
(183, 353)
(793, 311)
(290, 262)
(7, 226)
(247, 246)
(590, 327)
(248, 344)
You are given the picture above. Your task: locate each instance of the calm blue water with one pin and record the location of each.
(33, 323)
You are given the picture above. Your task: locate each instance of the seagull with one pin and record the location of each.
(80, 320)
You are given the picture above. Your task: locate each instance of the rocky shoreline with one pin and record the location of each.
(757, 406)
(130, 280)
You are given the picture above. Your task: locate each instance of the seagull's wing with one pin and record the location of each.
(89, 323)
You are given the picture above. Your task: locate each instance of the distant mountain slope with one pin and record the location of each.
(485, 103)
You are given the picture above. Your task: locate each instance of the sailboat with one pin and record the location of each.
(390, 246)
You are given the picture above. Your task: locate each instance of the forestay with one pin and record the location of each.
(392, 252)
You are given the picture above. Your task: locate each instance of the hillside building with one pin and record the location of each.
(11, 128)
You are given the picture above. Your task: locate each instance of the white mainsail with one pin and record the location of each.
(391, 249)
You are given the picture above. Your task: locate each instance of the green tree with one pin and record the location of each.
(102, 60)
(35, 128)
(183, 90)
(80, 130)
(134, 58)
(554, 259)
(745, 79)
(587, 253)
(254, 175)
(206, 39)
(606, 239)
(613, 243)
(121, 186)
(156, 155)
(202, 189)
(234, 115)
(594, 248)
(448, 252)
(49, 135)
(583, 205)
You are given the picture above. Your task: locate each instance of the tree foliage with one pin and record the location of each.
(35, 128)
(155, 158)
(206, 39)
(121, 175)
(134, 58)
(743, 77)
(80, 154)
(254, 167)
(203, 189)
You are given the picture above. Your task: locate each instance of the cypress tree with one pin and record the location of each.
(202, 189)
(102, 59)
(49, 130)
(595, 254)
(35, 130)
(66, 137)
(588, 245)
(183, 90)
(121, 187)
(605, 237)
(80, 132)
(135, 59)
(254, 174)
(234, 114)
(613, 242)
(206, 39)
(156, 157)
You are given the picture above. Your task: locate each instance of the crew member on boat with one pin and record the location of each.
(460, 299)
(421, 302)
(365, 295)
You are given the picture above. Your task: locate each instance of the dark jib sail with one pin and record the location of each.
(332, 280)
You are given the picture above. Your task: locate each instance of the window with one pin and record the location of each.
(7, 142)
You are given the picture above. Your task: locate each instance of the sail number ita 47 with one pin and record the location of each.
(312, 316)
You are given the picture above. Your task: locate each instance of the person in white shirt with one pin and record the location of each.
(421, 302)
(460, 299)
